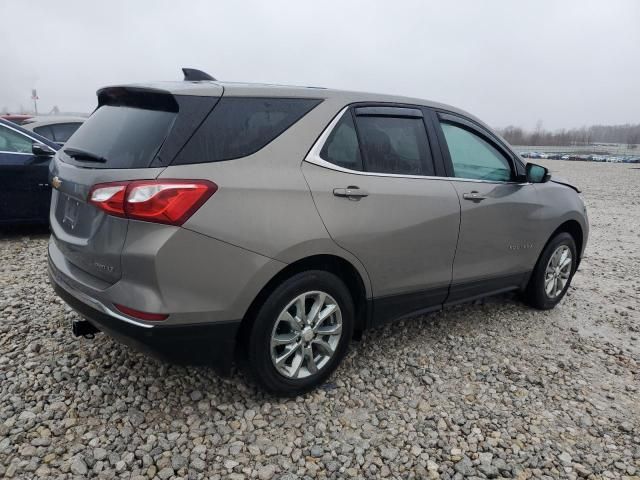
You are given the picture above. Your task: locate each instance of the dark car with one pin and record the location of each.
(25, 193)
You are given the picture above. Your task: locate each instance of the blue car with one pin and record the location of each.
(25, 192)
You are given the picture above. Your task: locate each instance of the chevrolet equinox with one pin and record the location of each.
(204, 221)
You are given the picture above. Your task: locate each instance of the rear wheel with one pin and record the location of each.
(553, 272)
(301, 333)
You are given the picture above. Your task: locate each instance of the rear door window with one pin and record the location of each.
(341, 148)
(395, 144)
(126, 137)
(240, 126)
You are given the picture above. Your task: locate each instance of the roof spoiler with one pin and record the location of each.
(194, 75)
(137, 97)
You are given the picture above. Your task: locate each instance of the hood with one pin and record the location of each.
(565, 182)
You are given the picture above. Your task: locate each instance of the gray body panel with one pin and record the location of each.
(273, 208)
(405, 231)
(500, 235)
(91, 240)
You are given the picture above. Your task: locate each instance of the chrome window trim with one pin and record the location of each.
(314, 157)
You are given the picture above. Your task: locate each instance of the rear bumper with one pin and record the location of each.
(211, 343)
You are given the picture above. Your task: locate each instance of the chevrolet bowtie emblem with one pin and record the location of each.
(56, 182)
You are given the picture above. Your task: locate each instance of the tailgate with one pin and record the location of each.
(133, 135)
(89, 239)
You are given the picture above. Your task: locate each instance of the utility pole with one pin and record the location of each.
(34, 97)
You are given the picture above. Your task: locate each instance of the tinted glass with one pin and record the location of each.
(473, 157)
(341, 148)
(45, 131)
(395, 145)
(62, 131)
(239, 126)
(14, 142)
(127, 137)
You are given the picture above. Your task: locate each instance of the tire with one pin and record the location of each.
(272, 326)
(537, 294)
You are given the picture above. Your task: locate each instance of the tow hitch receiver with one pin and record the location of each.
(83, 328)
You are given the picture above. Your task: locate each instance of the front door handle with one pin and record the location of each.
(351, 192)
(473, 196)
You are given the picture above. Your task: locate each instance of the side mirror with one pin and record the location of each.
(537, 173)
(42, 150)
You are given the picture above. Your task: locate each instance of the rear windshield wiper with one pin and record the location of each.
(78, 154)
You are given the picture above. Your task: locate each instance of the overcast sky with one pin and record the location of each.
(566, 63)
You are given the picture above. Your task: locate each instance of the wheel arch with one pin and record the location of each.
(340, 267)
(573, 228)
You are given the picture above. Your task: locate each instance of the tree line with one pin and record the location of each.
(624, 134)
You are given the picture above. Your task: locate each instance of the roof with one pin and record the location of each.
(53, 119)
(241, 89)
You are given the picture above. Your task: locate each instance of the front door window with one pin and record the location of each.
(473, 157)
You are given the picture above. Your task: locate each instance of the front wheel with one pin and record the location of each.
(301, 333)
(552, 275)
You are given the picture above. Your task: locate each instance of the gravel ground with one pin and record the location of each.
(488, 390)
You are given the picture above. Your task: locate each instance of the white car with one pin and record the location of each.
(55, 128)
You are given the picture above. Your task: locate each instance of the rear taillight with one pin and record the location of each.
(109, 197)
(160, 201)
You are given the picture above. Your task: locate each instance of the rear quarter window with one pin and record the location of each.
(240, 126)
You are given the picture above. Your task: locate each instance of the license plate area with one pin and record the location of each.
(70, 215)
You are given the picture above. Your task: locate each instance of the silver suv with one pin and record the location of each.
(205, 221)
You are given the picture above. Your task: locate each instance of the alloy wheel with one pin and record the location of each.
(558, 271)
(306, 335)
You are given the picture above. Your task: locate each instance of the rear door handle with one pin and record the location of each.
(350, 192)
(473, 196)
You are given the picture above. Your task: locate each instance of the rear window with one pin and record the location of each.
(45, 131)
(63, 131)
(126, 137)
(240, 126)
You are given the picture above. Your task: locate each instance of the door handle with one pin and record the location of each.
(473, 196)
(351, 192)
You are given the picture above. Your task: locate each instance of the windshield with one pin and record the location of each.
(124, 137)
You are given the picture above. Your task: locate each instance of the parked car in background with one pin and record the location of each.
(55, 128)
(25, 193)
(18, 119)
(199, 220)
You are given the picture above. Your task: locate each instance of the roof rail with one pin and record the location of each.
(194, 75)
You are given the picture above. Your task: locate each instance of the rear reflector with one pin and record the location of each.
(160, 201)
(141, 315)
